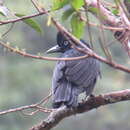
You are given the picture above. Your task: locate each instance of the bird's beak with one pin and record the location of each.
(54, 49)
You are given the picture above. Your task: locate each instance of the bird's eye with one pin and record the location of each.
(66, 43)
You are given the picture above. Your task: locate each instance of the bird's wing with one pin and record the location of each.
(58, 71)
(81, 72)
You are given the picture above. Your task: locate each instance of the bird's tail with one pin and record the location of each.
(66, 94)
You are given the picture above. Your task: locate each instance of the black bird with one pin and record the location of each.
(70, 78)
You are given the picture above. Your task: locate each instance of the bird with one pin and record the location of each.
(71, 78)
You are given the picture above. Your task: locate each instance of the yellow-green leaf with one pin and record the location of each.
(32, 23)
(115, 11)
(94, 10)
(58, 4)
(77, 4)
(77, 26)
(49, 21)
(67, 14)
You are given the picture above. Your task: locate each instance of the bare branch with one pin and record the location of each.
(36, 5)
(23, 18)
(32, 106)
(102, 36)
(25, 54)
(87, 50)
(111, 20)
(94, 102)
(108, 17)
(21, 109)
(7, 31)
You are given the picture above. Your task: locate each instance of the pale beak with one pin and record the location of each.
(54, 49)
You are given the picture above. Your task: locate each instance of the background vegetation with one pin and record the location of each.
(25, 81)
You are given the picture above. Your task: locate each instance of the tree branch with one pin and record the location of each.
(87, 50)
(23, 18)
(93, 102)
(32, 106)
(35, 106)
(123, 36)
(25, 54)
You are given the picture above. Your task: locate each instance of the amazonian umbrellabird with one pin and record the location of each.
(70, 78)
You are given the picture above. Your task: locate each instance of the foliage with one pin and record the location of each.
(31, 23)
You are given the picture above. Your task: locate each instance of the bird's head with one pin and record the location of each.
(62, 44)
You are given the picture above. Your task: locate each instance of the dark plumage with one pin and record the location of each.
(70, 78)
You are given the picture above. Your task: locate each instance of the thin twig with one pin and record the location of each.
(104, 27)
(89, 29)
(111, 20)
(45, 99)
(36, 5)
(102, 35)
(86, 50)
(8, 30)
(17, 109)
(23, 18)
(29, 114)
(35, 106)
(25, 54)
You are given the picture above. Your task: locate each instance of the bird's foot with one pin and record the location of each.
(90, 96)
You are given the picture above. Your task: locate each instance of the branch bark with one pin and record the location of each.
(93, 102)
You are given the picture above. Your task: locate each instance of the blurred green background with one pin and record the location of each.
(24, 81)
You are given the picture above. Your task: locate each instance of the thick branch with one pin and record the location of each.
(94, 102)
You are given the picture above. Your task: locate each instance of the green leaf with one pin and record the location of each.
(93, 10)
(58, 4)
(77, 4)
(1, 13)
(77, 26)
(67, 14)
(115, 11)
(32, 23)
